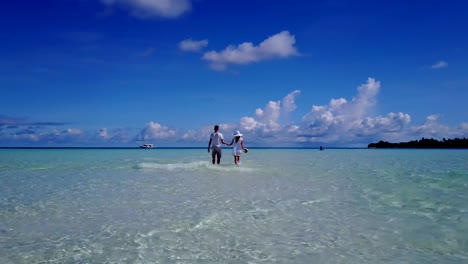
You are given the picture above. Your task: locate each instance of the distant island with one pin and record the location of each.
(456, 143)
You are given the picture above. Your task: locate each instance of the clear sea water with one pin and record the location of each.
(278, 206)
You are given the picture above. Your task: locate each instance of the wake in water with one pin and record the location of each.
(191, 165)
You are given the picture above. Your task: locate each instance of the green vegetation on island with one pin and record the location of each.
(424, 143)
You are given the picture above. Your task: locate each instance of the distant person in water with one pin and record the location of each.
(238, 147)
(216, 141)
(321, 148)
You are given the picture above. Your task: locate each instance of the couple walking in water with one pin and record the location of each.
(216, 141)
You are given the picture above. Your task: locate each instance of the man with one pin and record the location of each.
(216, 139)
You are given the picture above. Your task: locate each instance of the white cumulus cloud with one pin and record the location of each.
(433, 128)
(272, 117)
(103, 133)
(341, 120)
(278, 46)
(192, 45)
(154, 131)
(439, 65)
(203, 134)
(342, 116)
(153, 8)
(464, 128)
(393, 122)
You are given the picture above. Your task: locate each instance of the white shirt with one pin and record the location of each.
(216, 138)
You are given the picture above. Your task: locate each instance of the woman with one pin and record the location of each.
(238, 147)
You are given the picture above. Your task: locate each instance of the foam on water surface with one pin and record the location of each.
(192, 166)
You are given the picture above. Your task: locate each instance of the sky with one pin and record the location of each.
(120, 73)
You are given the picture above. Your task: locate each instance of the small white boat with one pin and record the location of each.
(147, 146)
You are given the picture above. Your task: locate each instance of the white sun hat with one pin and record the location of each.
(238, 134)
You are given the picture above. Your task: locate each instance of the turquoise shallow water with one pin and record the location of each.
(279, 206)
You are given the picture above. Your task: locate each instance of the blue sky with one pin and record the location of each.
(284, 73)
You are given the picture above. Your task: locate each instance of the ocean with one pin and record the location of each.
(278, 206)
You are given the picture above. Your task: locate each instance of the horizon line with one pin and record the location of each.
(176, 148)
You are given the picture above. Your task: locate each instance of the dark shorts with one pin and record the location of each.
(216, 151)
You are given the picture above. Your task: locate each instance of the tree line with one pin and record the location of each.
(423, 143)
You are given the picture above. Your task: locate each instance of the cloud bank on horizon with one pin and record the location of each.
(341, 122)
